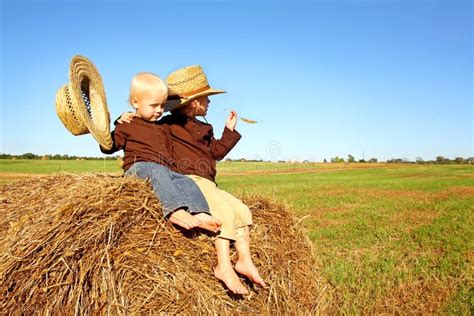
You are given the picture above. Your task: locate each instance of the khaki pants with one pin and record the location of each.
(231, 211)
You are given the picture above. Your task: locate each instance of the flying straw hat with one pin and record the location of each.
(186, 84)
(81, 104)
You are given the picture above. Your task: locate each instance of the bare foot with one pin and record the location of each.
(208, 222)
(184, 219)
(230, 279)
(247, 268)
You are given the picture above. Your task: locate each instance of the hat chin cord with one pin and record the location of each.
(203, 116)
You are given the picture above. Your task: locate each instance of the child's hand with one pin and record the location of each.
(232, 120)
(126, 117)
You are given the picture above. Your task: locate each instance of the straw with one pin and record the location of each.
(246, 120)
(96, 244)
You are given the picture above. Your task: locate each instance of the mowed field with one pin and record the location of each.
(387, 238)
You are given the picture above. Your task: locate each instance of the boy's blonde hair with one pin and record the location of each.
(146, 81)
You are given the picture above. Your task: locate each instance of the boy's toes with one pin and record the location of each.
(208, 222)
(231, 280)
(247, 268)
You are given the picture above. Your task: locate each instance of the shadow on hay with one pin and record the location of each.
(92, 244)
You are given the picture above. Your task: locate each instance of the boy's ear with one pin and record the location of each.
(135, 102)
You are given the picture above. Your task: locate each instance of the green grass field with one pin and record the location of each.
(54, 166)
(388, 239)
(234, 167)
(396, 240)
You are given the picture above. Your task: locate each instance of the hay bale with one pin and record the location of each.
(96, 244)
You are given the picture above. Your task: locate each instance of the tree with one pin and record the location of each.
(325, 161)
(28, 156)
(350, 158)
(373, 160)
(337, 159)
(441, 160)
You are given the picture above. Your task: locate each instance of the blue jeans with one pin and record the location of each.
(174, 190)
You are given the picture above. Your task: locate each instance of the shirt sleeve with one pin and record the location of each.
(119, 139)
(221, 147)
(169, 144)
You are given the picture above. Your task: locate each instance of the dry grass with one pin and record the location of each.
(420, 297)
(92, 244)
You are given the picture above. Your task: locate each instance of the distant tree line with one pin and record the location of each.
(351, 159)
(440, 160)
(55, 157)
(244, 160)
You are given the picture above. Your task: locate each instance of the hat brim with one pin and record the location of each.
(171, 105)
(88, 90)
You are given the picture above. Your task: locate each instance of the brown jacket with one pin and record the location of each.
(142, 141)
(195, 150)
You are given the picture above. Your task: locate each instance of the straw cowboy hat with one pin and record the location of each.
(186, 84)
(81, 104)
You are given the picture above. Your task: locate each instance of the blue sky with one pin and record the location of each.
(385, 79)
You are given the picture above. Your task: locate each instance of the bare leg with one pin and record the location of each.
(208, 222)
(245, 264)
(224, 271)
(183, 219)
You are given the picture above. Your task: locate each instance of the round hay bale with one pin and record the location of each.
(96, 244)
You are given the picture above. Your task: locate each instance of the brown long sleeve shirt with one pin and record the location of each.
(194, 148)
(142, 141)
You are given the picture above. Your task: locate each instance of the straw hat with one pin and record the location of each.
(186, 84)
(81, 104)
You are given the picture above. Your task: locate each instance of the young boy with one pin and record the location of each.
(147, 144)
(195, 151)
